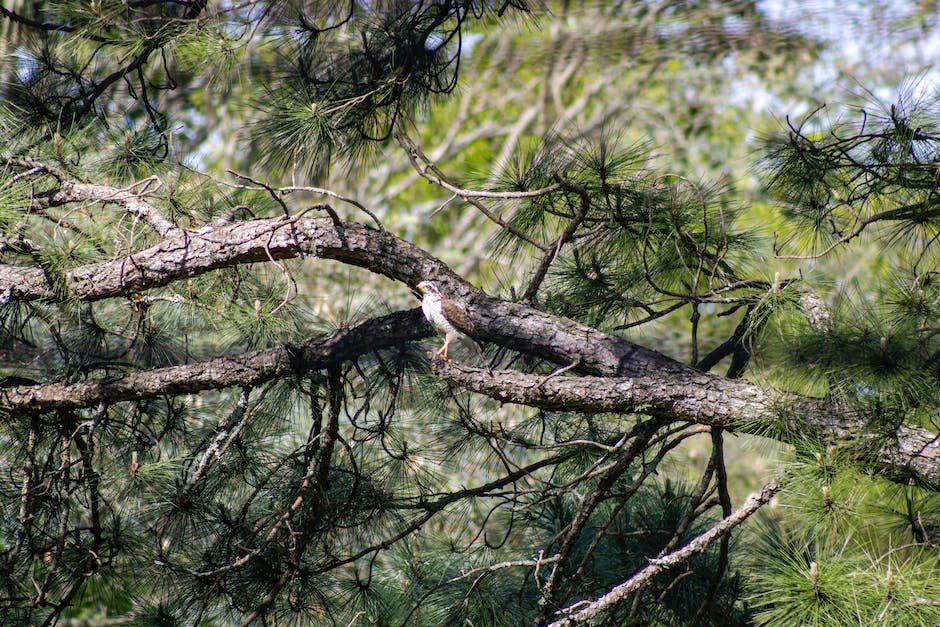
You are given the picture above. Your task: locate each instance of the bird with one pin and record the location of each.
(448, 317)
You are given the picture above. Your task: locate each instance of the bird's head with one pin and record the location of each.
(429, 287)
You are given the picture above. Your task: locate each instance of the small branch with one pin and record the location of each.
(26, 490)
(37, 25)
(437, 177)
(664, 562)
(735, 345)
(71, 191)
(557, 372)
(430, 509)
(724, 498)
(891, 214)
(325, 192)
(223, 439)
(100, 88)
(35, 167)
(273, 193)
(440, 179)
(549, 258)
(479, 573)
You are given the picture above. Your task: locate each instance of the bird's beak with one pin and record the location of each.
(422, 286)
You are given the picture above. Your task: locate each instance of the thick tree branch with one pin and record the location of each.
(185, 253)
(315, 353)
(683, 393)
(629, 377)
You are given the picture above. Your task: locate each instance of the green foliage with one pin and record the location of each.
(852, 560)
(372, 491)
(346, 78)
(878, 363)
(438, 584)
(838, 177)
(135, 153)
(258, 325)
(644, 237)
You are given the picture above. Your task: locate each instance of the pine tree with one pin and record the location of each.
(220, 401)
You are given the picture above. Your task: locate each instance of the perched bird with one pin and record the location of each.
(448, 317)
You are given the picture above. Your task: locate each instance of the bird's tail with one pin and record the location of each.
(473, 346)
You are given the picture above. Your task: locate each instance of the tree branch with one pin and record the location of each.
(185, 253)
(628, 377)
(683, 393)
(240, 370)
(658, 565)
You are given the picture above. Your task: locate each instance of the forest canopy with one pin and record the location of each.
(697, 243)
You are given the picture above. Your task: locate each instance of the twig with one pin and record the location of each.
(549, 258)
(277, 192)
(331, 194)
(724, 498)
(223, 438)
(472, 196)
(555, 373)
(481, 572)
(272, 192)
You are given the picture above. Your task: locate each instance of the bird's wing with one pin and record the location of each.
(456, 315)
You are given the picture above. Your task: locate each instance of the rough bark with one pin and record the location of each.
(185, 253)
(624, 376)
(684, 393)
(316, 353)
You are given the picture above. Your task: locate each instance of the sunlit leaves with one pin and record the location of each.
(839, 176)
(882, 366)
(647, 237)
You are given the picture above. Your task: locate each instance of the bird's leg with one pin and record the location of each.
(442, 351)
